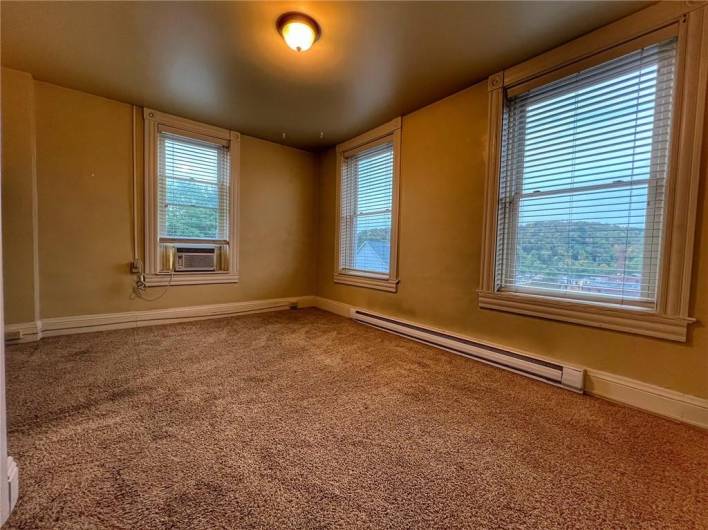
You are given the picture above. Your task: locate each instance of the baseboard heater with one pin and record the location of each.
(540, 369)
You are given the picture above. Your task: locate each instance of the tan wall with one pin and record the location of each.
(442, 183)
(17, 183)
(84, 165)
(287, 219)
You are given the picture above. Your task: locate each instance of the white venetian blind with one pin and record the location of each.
(193, 189)
(366, 199)
(583, 178)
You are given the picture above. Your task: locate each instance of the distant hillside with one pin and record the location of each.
(583, 246)
(555, 247)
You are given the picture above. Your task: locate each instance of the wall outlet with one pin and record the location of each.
(136, 267)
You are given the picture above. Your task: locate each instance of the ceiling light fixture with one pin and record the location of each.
(299, 31)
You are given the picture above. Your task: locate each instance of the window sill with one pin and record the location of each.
(190, 278)
(370, 282)
(628, 319)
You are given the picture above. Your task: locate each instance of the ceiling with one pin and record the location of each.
(223, 63)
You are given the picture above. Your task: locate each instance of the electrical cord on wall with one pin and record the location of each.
(141, 286)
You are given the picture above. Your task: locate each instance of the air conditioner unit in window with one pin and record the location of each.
(196, 258)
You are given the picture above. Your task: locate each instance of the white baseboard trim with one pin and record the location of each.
(644, 396)
(650, 398)
(306, 301)
(338, 308)
(51, 327)
(22, 332)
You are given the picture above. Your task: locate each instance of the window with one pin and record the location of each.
(367, 202)
(587, 168)
(193, 189)
(583, 176)
(367, 205)
(191, 180)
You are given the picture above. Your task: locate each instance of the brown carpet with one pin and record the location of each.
(303, 419)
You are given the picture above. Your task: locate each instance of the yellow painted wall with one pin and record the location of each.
(443, 153)
(84, 165)
(17, 182)
(286, 212)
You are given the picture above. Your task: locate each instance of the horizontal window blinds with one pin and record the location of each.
(583, 178)
(366, 202)
(193, 189)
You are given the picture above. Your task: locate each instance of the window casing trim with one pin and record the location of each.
(669, 318)
(388, 132)
(513, 189)
(628, 319)
(156, 122)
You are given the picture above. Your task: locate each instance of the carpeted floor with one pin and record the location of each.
(303, 419)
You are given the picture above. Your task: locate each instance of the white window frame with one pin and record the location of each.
(154, 120)
(390, 131)
(669, 317)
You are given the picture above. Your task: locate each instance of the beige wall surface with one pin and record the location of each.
(443, 153)
(84, 175)
(286, 211)
(17, 183)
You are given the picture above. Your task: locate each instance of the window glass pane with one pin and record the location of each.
(583, 242)
(366, 205)
(373, 243)
(584, 164)
(192, 189)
